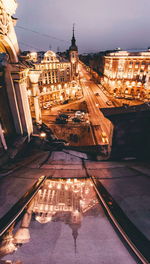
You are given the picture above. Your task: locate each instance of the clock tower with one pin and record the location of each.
(73, 54)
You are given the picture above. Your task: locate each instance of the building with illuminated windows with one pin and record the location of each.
(55, 78)
(73, 54)
(30, 81)
(127, 74)
(58, 77)
(15, 116)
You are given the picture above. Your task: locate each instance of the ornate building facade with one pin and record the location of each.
(74, 59)
(58, 200)
(127, 74)
(55, 81)
(58, 79)
(15, 117)
(26, 84)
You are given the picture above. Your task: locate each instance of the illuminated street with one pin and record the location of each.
(101, 128)
(74, 132)
(95, 100)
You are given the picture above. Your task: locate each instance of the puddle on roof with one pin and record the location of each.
(64, 224)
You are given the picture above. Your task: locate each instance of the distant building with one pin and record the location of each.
(56, 82)
(73, 54)
(58, 76)
(127, 74)
(55, 78)
(28, 80)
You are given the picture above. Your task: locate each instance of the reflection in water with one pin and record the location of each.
(57, 200)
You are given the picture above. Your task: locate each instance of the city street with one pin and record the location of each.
(74, 132)
(95, 100)
(100, 128)
(81, 130)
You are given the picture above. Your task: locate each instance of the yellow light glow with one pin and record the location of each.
(43, 135)
(44, 90)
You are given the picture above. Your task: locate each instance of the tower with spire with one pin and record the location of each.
(73, 54)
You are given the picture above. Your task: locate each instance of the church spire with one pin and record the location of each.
(73, 41)
(75, 235)
(73, 46)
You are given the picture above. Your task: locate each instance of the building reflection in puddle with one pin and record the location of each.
(58, 200)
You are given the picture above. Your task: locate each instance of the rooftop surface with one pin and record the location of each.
(125, 109)
(128, 182)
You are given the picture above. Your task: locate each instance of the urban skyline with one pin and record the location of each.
(100, 25)
(74, 132)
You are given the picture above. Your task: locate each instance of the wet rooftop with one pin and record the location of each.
(64, 223)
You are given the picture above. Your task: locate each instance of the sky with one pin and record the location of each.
(99, 24)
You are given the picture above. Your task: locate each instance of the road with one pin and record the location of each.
(102, 127)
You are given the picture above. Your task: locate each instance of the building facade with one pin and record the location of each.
(56, 83)
(15, 117)
(127, 74)
(74, 58)
(27, 83)
(58, 77)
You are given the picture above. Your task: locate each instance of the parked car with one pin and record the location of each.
(109, 103)
(104, 138)
(125, 105)
(75, 119)
(97, 94)
(66, 101)
(64, 116)
(79, 114)
(61, 121)
(62, 141)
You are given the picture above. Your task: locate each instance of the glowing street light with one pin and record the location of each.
(43, 135)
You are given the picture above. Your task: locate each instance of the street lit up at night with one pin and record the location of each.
(74, 132)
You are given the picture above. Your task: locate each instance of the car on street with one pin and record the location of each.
(104, 138)
(97, 94)
(67, 101)
(61, 121)
(63, 116)
(125, 105)
(62, 141)
(75, 119)
(109, 103)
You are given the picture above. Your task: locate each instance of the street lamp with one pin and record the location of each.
(43, 135)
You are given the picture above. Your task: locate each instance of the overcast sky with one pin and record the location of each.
(99, 24)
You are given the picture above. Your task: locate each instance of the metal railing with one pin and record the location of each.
(139, 244)
(10, 217)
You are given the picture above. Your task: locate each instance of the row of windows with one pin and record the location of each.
(54, 80)
(46, 66)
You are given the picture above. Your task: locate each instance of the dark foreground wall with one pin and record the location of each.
(131, 137)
